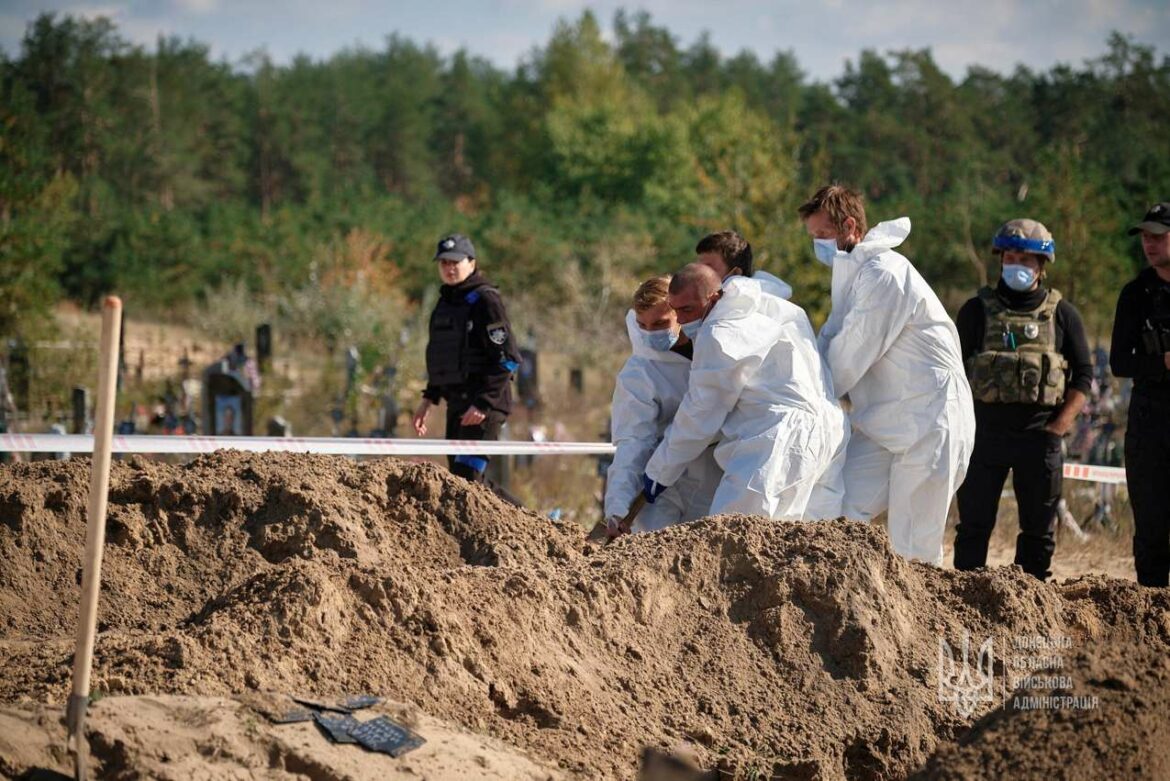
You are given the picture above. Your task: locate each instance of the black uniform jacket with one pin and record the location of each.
(475, 364)
(1144, 300)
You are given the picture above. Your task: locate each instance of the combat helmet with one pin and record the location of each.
(1024, 235)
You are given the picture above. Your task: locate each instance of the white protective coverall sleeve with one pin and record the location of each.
(717, 378)
(774, 284)
(635, 433)
(878, 311)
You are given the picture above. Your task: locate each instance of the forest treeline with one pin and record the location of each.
(176, 179)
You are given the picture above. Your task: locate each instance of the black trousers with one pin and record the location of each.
(472, 466)
(1147, 476)
(1037, 467)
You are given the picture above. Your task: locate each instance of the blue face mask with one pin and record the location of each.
(1018, 278)
(691, 330)
(661, 340)
(826, 250)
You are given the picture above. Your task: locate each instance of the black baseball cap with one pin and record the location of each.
(1157, 220)
(455, 247)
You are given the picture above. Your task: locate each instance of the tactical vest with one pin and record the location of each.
(452, 355)
(1019, 362)
(1156, 327)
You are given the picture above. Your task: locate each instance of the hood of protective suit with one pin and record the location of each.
(760, 293)
(886, 235)
(772, 283)
(641, 349)
(744, 295)
(882, 237)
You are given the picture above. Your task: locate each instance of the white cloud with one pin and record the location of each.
(88, 11)
(145, 32)
(197, 6)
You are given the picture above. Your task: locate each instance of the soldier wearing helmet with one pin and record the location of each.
(1030, 369)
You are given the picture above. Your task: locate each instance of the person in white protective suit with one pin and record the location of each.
(729, 255)
(649, 388)
(759, 387)
(895, 354)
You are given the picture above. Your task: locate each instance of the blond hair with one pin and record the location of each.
(838, 203)
(651, 293)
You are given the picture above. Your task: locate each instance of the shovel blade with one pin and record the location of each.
(76, 744)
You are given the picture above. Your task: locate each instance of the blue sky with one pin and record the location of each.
(822, 33)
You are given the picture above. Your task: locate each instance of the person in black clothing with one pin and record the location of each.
(1141, 350)
(471, 357)
(1031, 371)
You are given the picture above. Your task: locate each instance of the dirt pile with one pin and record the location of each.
(795, 651)
(1109, 721)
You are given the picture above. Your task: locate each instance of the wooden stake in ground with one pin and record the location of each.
(95, 533)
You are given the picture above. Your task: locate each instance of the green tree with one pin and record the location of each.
(651, 58)
(157, 172)
(36, 213)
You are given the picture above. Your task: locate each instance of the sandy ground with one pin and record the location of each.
(1105, 556)
(759, 649)
(179, 738)
(1106, 551)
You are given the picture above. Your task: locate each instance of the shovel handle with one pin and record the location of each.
(627, 523)
(602, 532)
(95, 528)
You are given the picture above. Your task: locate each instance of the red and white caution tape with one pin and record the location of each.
(346, 446)
(1095, 474)
(342, 446)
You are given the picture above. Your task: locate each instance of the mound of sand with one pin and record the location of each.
(1110, 722)
(786, 650)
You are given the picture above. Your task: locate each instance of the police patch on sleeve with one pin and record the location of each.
(498, 332)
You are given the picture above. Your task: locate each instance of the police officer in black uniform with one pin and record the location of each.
(471, 356)
(1031, 372)
(1141, 350)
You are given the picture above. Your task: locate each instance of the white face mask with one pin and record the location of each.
(660, 341)
(826, 251)
(1018, 278)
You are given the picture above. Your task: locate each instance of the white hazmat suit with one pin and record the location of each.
(892, 348)
(759, 388)
(649, 389)
(772, 283)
